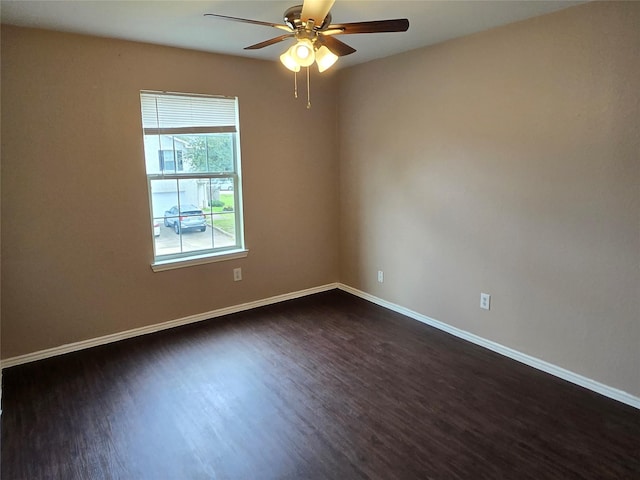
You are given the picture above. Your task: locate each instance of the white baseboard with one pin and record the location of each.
(114, 337)
(559, 372)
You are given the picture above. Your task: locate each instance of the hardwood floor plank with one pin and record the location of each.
(323, 387)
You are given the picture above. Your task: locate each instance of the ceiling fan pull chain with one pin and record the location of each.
(295, 84)
(308, 90)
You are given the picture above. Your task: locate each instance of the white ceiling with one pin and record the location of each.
(182, 24)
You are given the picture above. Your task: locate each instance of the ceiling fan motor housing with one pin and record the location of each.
(293, 18)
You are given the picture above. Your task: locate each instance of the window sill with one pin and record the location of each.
(198, 260)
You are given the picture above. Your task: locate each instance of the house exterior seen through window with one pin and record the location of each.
(192, 159)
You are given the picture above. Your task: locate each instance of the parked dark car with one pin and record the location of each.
(189, 217)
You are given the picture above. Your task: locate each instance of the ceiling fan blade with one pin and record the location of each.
(336, 46)
(376, 26)
(316, 10)
(271, 41)
(246, 20)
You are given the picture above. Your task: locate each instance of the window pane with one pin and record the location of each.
(222, 185)
(164, 195)
(188, 233)
(212, 153)
(183, 227)
(224, 225)
(171, 154)
(152, 145)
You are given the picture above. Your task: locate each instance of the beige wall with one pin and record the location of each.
(76, 243)
(505, 162)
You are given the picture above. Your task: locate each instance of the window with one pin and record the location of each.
(192, 159)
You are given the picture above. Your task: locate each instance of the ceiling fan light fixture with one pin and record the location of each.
(288, 61)
(302, 52)
(325, 58)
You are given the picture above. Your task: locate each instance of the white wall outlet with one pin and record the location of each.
(237, 274)
(380, 276)
(485, 301)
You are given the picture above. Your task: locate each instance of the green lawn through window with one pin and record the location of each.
(225, 222)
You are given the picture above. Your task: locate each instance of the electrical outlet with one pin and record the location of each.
(237, 274)
(485, 301)
(380, 276)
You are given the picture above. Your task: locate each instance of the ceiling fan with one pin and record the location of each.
(310, 25)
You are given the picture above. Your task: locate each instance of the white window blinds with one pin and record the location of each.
(164, 113)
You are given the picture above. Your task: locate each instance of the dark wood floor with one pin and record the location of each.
(327, 386)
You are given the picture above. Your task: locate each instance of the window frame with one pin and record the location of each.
(182, 259)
